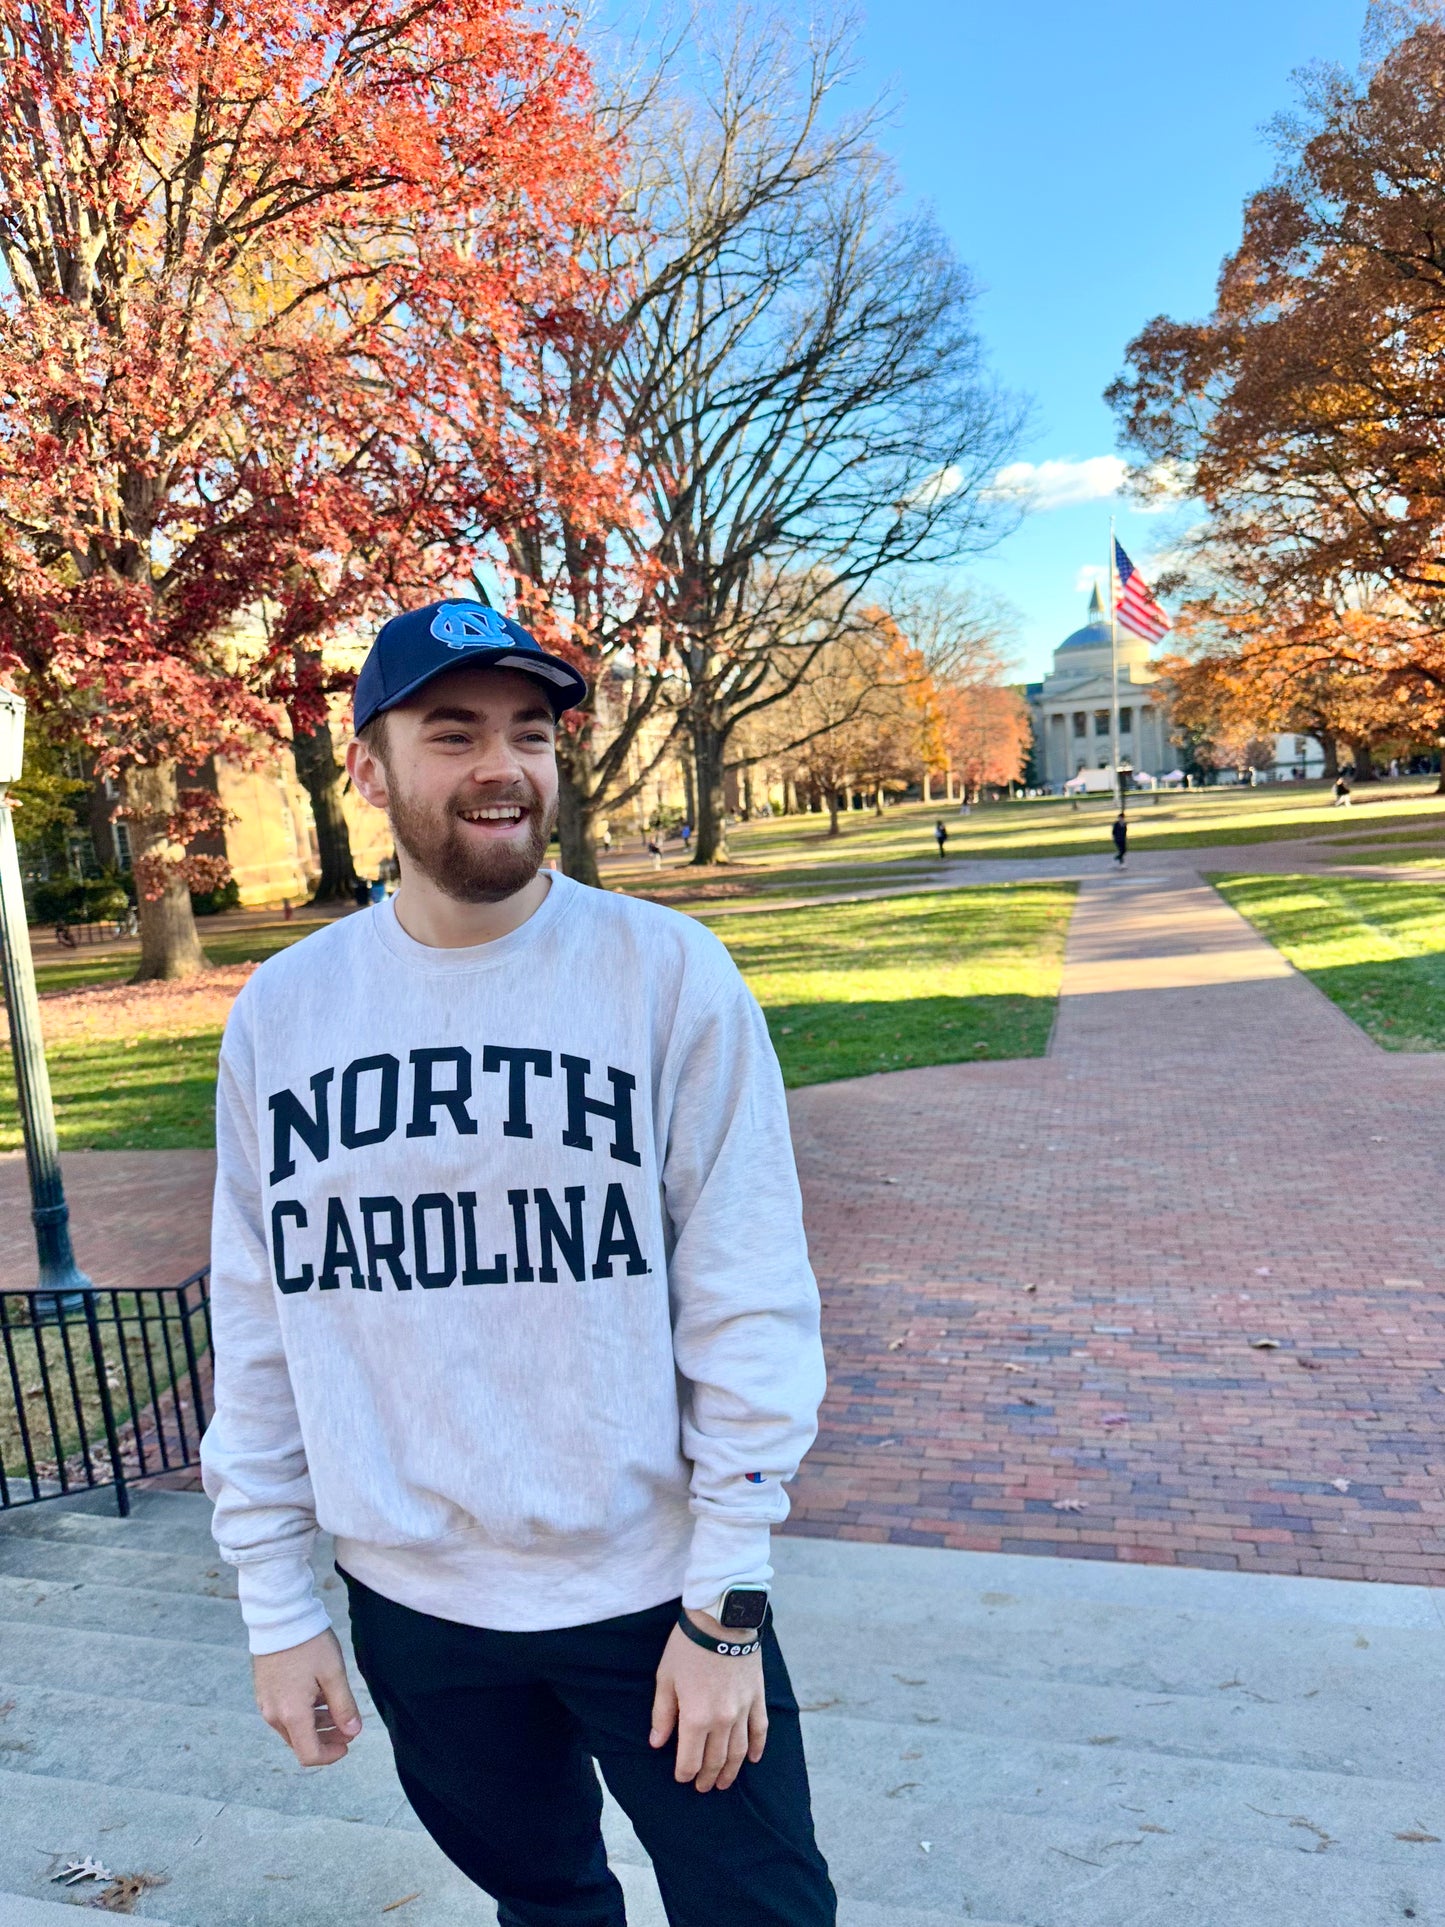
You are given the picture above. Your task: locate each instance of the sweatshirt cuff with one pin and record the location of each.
(279, 1603)
(725, 1552)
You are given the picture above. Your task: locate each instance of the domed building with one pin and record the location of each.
(1072, 707)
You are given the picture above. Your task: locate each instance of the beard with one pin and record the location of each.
(435, 840)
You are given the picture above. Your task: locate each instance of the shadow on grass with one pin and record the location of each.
(818, 1043)
(158, 1094)
(1400, 1003)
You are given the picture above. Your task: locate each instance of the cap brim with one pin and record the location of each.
(563, 686)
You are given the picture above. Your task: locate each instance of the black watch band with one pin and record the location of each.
(730, 1648)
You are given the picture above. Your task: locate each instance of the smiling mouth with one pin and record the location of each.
(494, 813)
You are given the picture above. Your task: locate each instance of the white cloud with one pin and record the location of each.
(1090, 576)
(1059, 485)
(936, 488)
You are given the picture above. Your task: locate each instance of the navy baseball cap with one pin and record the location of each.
(412, 648)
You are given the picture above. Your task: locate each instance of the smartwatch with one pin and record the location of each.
(741, 1608)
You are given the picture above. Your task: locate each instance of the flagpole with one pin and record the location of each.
(1114, 671)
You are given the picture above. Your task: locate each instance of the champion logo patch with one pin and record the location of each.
(755, 1478)
(468, 625)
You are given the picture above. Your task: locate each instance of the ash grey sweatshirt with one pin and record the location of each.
(510, 1289)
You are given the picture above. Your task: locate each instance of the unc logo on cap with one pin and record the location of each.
(468, 625)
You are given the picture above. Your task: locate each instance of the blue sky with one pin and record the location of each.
(1089, 163)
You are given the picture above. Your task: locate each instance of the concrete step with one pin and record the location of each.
(249, 1867)
(17, 1910)
(1027, 1742)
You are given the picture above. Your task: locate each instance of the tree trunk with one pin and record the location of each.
(576, 828)
(320, 776)
(747, 790)
(170, 946)
(689, 788)
(1365, 771)
(878, 801)
(790, 797)
(710, 843)
(833, 801)
(1331, 749)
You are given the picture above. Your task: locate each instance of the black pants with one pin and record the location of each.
(495, 1734)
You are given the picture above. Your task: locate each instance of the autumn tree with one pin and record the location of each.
(1307, 412)
(986, 732)
(857, 719)
(230, 240)
(1241, 684)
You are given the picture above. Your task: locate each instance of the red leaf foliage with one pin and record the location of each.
(271, 269)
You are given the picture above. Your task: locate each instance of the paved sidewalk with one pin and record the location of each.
(1210, 1156)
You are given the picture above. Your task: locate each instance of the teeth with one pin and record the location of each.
(504, 813)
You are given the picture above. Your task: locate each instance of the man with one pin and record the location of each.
(940, 836)
(1121, 837)
(511, 1295)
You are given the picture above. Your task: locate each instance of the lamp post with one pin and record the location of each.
(62, 1284)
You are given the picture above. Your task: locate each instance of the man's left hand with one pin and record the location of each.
(714, 1703)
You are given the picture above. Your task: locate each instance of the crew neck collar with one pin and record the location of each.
(449, 959)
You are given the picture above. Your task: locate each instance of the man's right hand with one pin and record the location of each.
(303, 1693)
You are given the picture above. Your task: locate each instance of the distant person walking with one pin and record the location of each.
(1121, 837)
(655, 850)
(1342, 792)
(940, 831)
(686, 834)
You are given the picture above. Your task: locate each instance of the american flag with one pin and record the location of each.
(1136, 608)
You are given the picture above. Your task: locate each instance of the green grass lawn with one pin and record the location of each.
(858, 987)
(1375, 947)
(157, 1094)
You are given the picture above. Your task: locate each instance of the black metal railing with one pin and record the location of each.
(101, 1388)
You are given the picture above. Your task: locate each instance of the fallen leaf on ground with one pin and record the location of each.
(1114, 1418)
(927, 1845)
(1030, 1287)
(1340, 1485)
(1264, 1344)
(1309, 1364)
(878, 1444)
(125, 1890)
(1420, 1839)
(1298, 1820)
(391, 1905)
(906, 1787)
(76, 1870)
(1103, 1739)
(1147, 1826)
(1069, 1505)
(1010, 1367)
(896, 1344)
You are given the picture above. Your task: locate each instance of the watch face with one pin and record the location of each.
(744, 1606)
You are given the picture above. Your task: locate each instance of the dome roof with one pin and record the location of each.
(1095, 635)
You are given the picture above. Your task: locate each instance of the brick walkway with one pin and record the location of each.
(1210, 1155)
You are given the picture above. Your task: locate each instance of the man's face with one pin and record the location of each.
(468, 776)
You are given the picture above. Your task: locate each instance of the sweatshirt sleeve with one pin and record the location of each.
(745, 1309)
(253, 1463)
